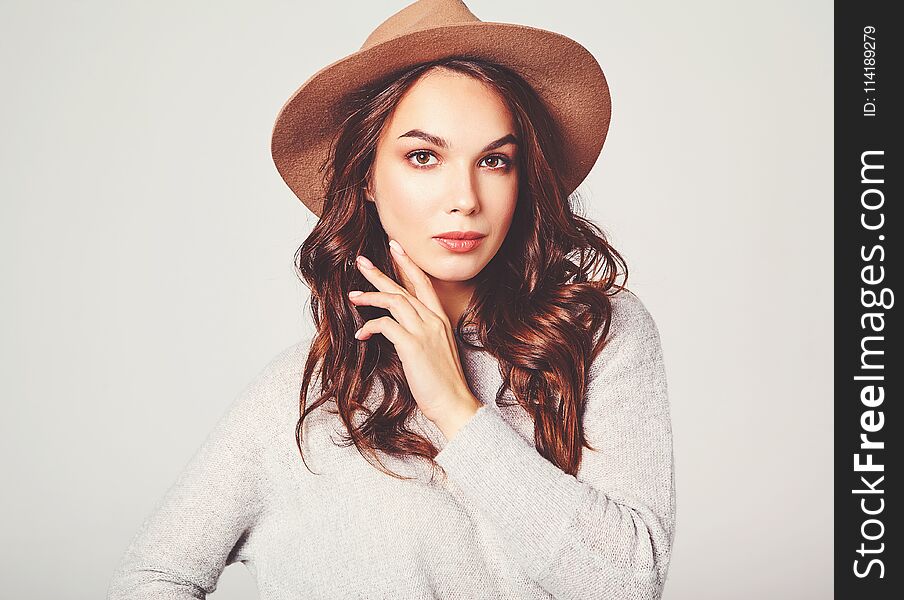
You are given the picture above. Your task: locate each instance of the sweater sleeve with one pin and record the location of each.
(201, 524)
(608, 532)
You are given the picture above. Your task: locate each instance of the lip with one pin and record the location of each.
(460, 235)
(459, 245)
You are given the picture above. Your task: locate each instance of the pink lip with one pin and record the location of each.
(458, 245)
(460, 235)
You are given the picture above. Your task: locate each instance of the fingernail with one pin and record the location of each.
(354, 293)
(362, 260)
(396, 247)
(356, 334)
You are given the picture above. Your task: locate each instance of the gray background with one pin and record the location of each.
(148, 239)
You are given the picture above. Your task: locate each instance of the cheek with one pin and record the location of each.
(402, 196)
(505, 211)
(400, 213)
(404, 216)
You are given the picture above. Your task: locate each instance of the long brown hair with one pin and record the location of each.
(541, 304)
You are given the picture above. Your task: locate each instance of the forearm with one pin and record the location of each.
(570, 537)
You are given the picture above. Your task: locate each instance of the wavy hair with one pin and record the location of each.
(541, 305)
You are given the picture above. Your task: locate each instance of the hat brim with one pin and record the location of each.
(564, 74)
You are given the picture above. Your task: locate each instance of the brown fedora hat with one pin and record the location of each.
(563, 73)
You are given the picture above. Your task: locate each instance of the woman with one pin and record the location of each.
(479, 335)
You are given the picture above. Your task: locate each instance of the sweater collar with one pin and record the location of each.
(471, 335)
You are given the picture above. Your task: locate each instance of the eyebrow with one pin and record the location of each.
(438, 141)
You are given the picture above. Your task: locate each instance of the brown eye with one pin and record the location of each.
(500, 163)
(421, 158)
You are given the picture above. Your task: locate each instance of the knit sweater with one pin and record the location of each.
(504, 522)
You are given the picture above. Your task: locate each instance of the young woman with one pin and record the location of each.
(482, 411)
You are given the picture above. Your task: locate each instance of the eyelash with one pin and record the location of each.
(506, 162)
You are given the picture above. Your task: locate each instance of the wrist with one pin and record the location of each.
(450, 423)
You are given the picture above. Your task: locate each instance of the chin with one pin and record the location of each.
(466, 269)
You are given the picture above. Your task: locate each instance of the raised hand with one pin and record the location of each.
(422, 334)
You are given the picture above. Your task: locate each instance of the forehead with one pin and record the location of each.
(455, 106)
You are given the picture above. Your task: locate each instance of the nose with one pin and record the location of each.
(465, 197)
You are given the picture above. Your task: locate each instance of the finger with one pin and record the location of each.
(381, 281)
(423, 287)
(390, 329)
(386, 283)
(397, 304)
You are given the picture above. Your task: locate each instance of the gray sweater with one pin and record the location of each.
(503, 523)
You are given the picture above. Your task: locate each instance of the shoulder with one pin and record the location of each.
(630, 316)
(627, 380)
(272, 393)
(633, 334)
(285, 364)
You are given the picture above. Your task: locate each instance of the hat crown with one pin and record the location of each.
(423, 14)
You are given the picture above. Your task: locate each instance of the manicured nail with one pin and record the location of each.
(354, 293)
(362, 260)
(396, 247)
(356, 334)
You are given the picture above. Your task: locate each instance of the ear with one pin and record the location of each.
(368, 185)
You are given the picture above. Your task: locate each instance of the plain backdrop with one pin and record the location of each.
(148, 240)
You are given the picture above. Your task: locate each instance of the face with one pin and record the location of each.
(447, 162)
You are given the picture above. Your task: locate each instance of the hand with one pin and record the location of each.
(423, 338)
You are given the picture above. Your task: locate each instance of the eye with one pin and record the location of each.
(418, 155)
(500, 163)
(496, 162)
